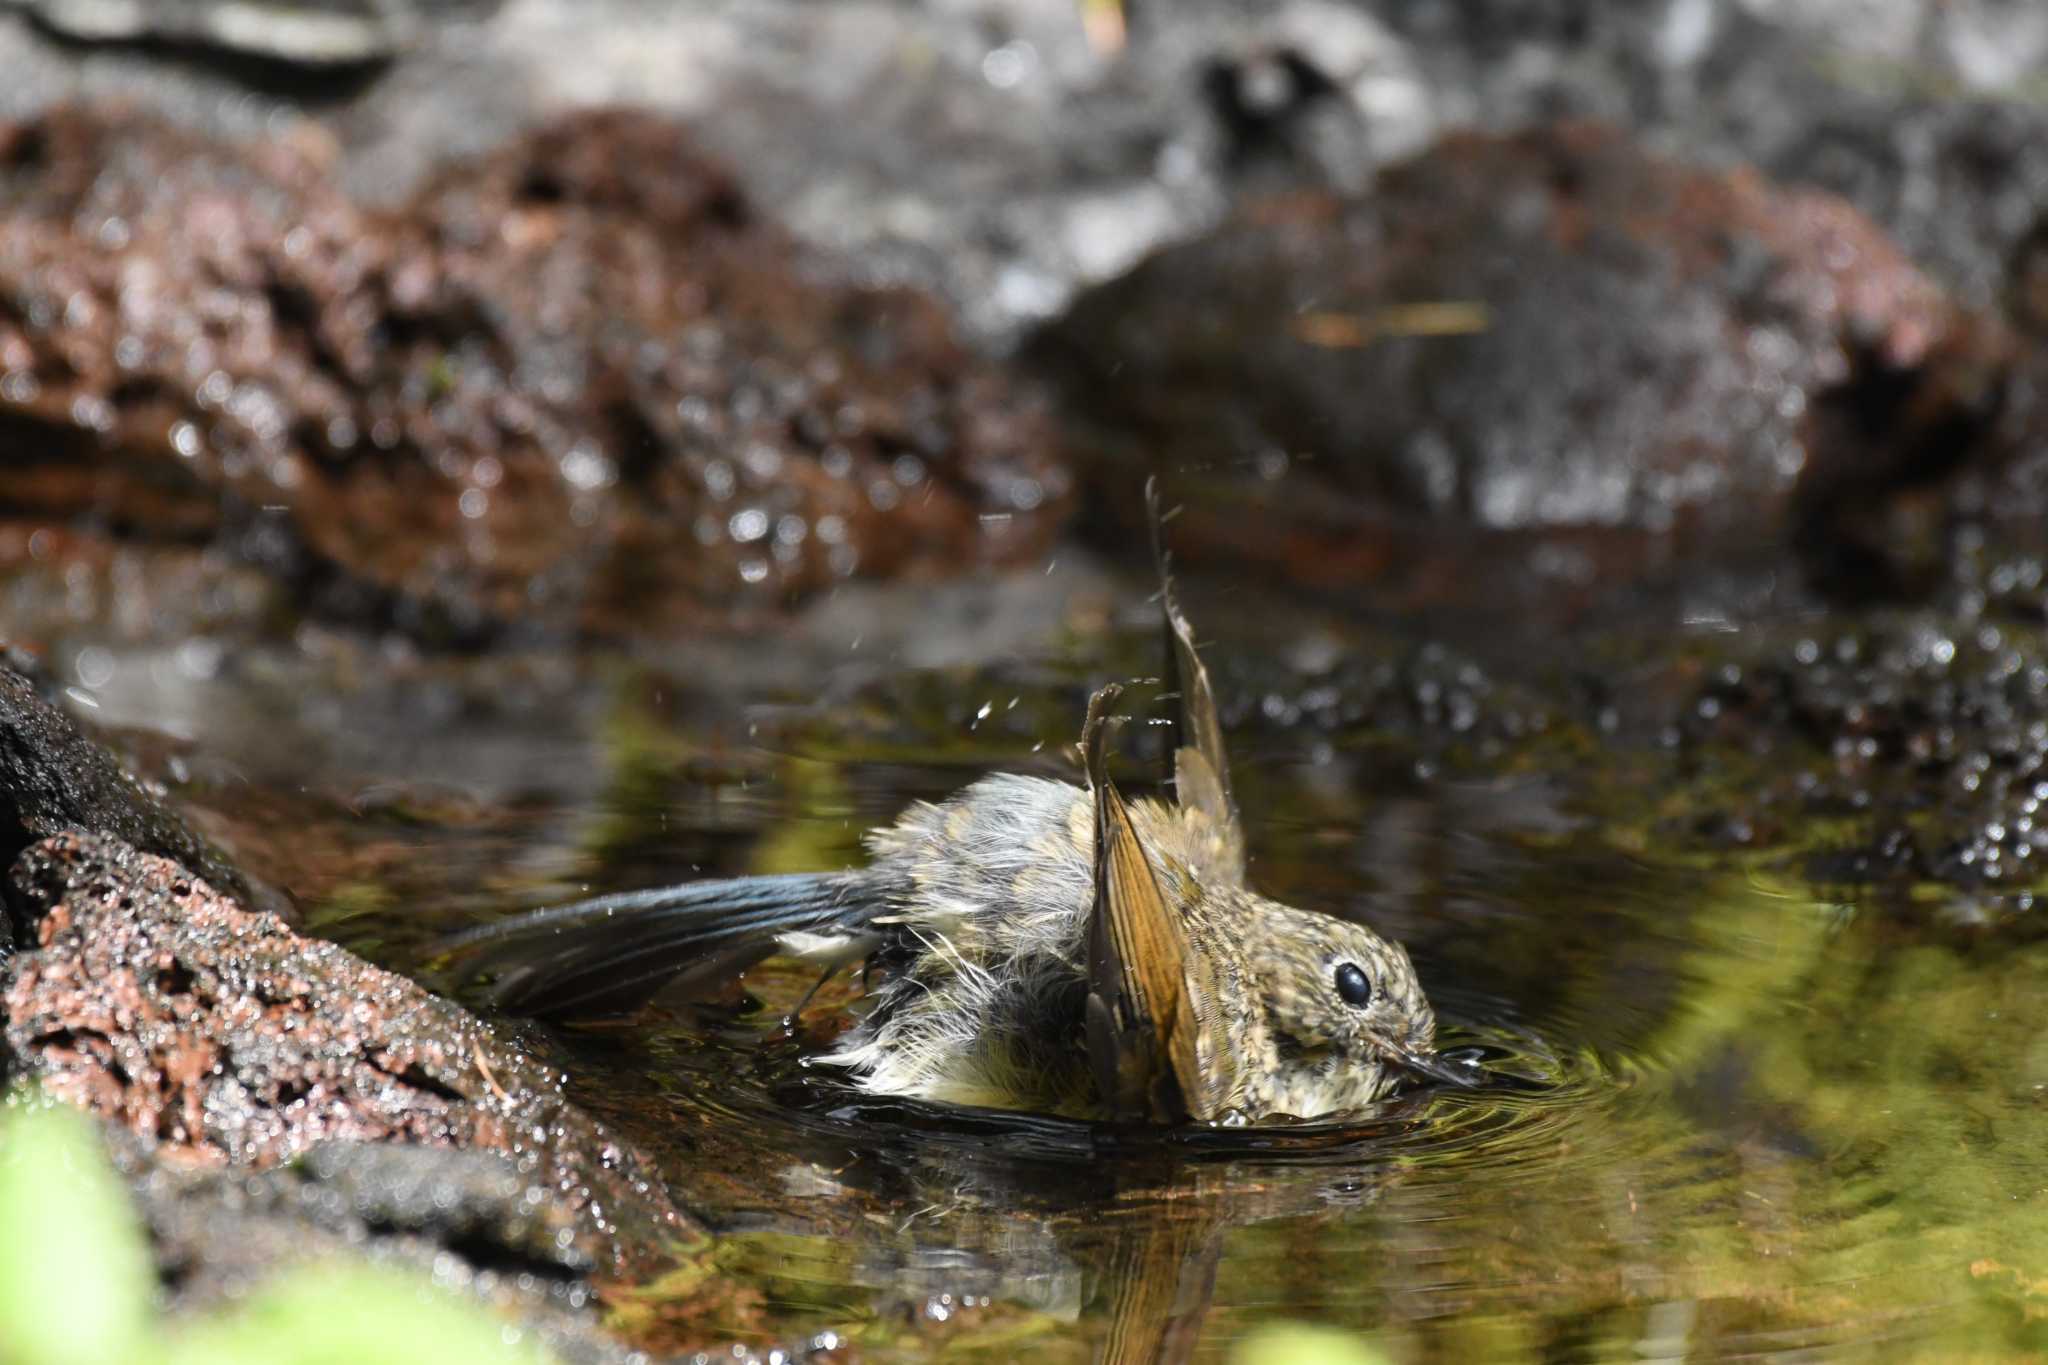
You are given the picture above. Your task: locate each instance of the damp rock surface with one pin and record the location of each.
(1920, 741)
(313, 34)
(469, 1219)
(1550, 334)
(220, 1036)
(579, 384)
(54, 780)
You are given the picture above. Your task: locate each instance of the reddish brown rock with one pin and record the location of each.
(579, 383)
(220, 1035)
(1554, 340)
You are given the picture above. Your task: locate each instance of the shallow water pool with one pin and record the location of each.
(1736, 1115)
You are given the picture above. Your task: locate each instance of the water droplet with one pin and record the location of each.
(719, 480)
(94, 666)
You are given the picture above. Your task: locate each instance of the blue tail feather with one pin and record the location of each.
(613, 953)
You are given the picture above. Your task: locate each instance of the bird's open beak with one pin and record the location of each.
(1431, 1066)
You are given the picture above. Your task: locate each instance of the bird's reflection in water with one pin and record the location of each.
(1118, 1231)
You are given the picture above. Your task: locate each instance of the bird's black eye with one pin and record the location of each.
(1354, 985)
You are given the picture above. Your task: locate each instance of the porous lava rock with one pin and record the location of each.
(221, 1036)
(1553, 337)
(576, 384)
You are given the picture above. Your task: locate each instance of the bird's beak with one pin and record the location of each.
(1431, 1066)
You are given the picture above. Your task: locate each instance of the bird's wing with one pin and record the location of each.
(1201, 770)
(1143, 1020)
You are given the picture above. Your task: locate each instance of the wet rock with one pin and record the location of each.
(316, 34)
(1555, 338)
(221, 1036)
(1919, 742)
(468, 1219)
(1962, 186)
(53, 780)
(1004, 153)
(1009, 153)
(577, 385)
(1012, 152)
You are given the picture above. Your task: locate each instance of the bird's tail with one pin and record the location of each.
(613, 953)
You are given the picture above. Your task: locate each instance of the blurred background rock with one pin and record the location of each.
(356, 309)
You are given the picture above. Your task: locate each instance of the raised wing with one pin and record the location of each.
(1150, 1022)
(1201, 770)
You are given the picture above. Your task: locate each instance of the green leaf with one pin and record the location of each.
(75, 1274)
(1299, 1343)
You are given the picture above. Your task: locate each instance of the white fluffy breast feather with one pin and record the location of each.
(995, 884)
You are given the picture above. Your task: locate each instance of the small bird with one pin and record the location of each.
(1038, 946)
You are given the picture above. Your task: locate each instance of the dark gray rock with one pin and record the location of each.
(54, 780)
(469, 1220)
(1556, 337)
